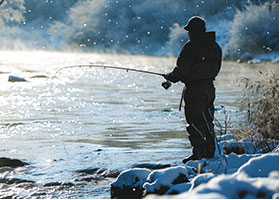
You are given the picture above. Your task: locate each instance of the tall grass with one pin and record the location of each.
(261, 99)
(258, 130)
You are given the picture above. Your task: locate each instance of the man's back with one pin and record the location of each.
(206, 57)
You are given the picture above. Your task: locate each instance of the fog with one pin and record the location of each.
(243, 28)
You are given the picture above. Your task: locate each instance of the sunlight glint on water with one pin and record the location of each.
(94, 117)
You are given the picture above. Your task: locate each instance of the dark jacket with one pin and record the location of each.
(199, 60)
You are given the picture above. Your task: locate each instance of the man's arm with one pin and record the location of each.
(183, 65)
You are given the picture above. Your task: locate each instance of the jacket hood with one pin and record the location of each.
(207, 39)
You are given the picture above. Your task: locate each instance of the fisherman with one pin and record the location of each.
(197, 66)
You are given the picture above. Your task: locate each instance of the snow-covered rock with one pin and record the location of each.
(260, 166)
(227, 144)
(129, 184)
(179, 188)
(202, 178)
(222, 164)
(233, 187)
(160, 181)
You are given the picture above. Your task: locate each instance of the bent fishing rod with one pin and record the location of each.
(165, 84)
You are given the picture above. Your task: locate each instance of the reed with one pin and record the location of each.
(259, 127)
(261, 100)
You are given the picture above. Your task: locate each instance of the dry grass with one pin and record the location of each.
(261, 100)
(260, 126)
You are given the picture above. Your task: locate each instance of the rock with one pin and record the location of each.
(201, 178)
(14, 181)
(238, 149)
(127, 192)
(16, 79)
(65, 184)
(39, 76)
(136, 183)
(7, 162)
(129, 184)
(257, 167)
(113, 174)
(91, 170)
(151, 166)
(160, 181)
(179, 188)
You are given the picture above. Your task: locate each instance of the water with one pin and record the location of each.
(94, 118)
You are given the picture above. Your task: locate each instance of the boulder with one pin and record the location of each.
(129, 184)
(160, 181)
(8, 162)
(16, 79)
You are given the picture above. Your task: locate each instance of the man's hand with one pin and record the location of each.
(165, 76)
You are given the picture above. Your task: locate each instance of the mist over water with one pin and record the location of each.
(142, 27)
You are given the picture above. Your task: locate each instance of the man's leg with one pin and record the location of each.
(200, 145)
(199, 113)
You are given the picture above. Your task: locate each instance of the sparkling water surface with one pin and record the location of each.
(94, 118)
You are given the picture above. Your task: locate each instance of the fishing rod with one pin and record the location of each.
(165, 84)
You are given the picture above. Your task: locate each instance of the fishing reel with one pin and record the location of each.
(166, 84)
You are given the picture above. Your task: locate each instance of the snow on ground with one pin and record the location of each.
(257, 178)
(224, 176)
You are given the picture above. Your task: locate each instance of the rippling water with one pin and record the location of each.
(93, 118)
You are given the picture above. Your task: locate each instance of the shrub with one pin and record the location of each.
(254, 30)
(261, 97)
(11, 12)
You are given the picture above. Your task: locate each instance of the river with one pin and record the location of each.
(102, 119)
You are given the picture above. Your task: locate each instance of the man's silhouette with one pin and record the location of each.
(197, 66)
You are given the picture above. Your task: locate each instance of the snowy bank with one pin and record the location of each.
(257, 178)
(224, 176)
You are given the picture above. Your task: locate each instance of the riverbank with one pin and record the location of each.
(249, 175)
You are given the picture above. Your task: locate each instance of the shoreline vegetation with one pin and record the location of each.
(246, 157)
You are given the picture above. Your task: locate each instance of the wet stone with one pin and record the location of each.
(14, 181)
(95, 174)
(91, 171)
(39, 76)
(66, 184)
(16, 79)
(98, 150)
(181, 178)
(7, 162)
(113, 174)
(151, 166)
(127, 192)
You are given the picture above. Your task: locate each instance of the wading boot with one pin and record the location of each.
(191, 157)
(195, 156)
(204, 151)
